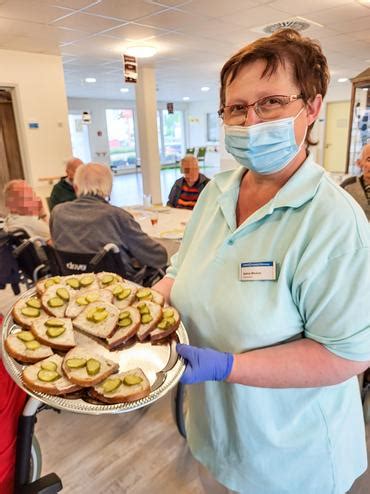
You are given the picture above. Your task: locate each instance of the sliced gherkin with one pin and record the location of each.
(168, 313)
(111, 384)
(124, 314)
(32, 345)
(55, 332)
(146, 318)
(100, 316)
(63, 294)
(30, 312)
(25, 336)
(131, 380)
(34, 303)
(86, 280)
(92, 297)
(73, 283)
(76, 363)
(49, 366)
(48, 375)
(107, 279)
(53, 322)
(82, 301)
(93, 366)
(144, 293)
(117, 290)
(126, 292)
(55, 302)
(123, 323)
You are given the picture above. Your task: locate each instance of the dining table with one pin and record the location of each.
(163, 223)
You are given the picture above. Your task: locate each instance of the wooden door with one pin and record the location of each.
(10, 156)
(336, 136)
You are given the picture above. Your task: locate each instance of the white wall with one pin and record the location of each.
(40, 96)
(197, 121)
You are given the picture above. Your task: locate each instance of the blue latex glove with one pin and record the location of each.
(204, 364)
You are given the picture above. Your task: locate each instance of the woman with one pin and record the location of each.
(273, 274)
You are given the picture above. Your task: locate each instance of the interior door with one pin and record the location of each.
(10, 156)
(336, 136)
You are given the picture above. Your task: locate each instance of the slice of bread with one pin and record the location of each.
(56, 298)
(124, 294)
(18, 349)
(45, 283)
(127, 326)
(154, 311)
(47, 332)
(148, 294)
(25, 312)
(59, 386)
(82, 299)
(87, 322)
(168, 324)
(80, 375)
(123, 392)
(108, 280)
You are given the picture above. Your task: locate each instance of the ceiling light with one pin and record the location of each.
(204, 88)
(342, 79)
(185, 98)
(141, 51)
(124, 89)
(365, 88)
(90, 79)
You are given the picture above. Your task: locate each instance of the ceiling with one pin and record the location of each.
(193, 38)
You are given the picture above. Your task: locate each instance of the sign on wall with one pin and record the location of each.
(130, 68)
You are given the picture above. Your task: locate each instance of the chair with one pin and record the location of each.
(201, 154)
(190, 151)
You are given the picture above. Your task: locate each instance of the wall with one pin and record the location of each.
(39, 94)
(197, 121)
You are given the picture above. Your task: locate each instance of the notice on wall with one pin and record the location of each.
(129, 68)
(170, 107)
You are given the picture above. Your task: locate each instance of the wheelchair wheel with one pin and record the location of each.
(35, 460)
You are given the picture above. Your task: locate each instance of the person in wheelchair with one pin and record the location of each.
(26, 211)
(88, 223)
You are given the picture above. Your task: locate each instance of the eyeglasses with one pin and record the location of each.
(267, 108)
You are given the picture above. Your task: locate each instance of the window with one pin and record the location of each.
(79, 137)
(213, 128)
(170, 136)
(121, 138)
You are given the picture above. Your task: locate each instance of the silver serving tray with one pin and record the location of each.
(160, 363)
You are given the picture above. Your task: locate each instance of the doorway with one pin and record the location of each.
(336, 136)
(10, 157)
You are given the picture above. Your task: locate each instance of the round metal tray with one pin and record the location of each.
(161, 364)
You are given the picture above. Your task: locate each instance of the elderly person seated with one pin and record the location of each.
(186, 190)
(86, 224)
(359, 187)
(64, 191)
(26, 211)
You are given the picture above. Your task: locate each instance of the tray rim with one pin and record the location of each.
(77, 405)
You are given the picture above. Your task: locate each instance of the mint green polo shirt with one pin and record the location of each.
(277, 441)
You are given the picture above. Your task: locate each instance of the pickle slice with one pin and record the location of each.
(131, 380)
(117, 290)
(34, 303)
(55, 302)
(107, 279)
(86, 280)
(82, 301)
(25, 336)
(30, 312)
(168, 313)
(144, 293)
(90, 314)
(53, 322)
(49, 366)
(50, 282)
(92, 297)
(47, 376)
(63, 294)
(126, 292)
(163, 324)
(73, 283)
(54, 332)
(111, 384)
(146, 318)
(123, 323)
(93, 366)
(32, 345)
(100, 316)
(171, 321)
(143, 309)
(124, 314)
(76, 363)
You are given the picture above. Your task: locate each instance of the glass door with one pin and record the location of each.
(79, 137)
(171, 139)
(121, 138)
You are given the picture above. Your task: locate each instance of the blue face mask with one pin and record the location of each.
(264, 148)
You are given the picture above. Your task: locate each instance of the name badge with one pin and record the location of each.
(257, 271)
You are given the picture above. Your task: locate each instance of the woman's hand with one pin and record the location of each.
(204, 364)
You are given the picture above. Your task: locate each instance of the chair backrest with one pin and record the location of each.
(190, 150)
(201, 153)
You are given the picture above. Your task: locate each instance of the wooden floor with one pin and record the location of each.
(134, 453)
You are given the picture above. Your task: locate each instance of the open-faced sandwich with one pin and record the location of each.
(129, 320)
(55, 332)
(150, 315)
(26, 311)
(44, 284)
(168, 324)
(82, 299)
(24, 347)
(124, 294)
(86, 368)
(55, 299)
(98, 319)
(126, 386)
(47, 377)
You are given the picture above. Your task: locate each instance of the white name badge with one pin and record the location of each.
(257, 271)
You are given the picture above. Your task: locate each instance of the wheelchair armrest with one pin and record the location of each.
(49, 484)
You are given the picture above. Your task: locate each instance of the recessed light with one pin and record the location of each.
(141, 51)
(204, 88)
(342, 79)
(185, 98)
(90, 79)
(365, 88)
(124, 89)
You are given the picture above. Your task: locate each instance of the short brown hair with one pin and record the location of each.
(309, 65)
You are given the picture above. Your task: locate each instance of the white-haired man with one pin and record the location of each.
(63, 191)
(86, 224)
(359, 187)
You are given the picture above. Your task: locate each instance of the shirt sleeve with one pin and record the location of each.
(334, 305)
